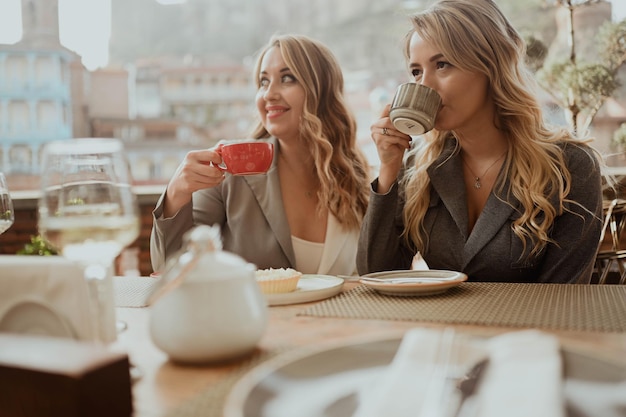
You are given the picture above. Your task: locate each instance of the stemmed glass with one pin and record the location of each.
(7, 217)
(89, 213)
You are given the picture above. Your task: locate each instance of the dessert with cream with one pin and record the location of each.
(278, 280)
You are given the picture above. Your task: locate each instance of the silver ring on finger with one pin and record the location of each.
(385, 131)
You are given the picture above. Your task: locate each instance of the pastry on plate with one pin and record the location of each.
(277, 281)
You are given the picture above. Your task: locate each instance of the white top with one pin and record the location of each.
(308, 255)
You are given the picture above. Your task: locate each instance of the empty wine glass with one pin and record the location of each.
(89, 213)
(7, 217)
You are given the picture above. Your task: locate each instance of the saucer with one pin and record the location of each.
(428, 282)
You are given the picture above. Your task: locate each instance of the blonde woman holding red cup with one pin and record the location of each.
(306, 211)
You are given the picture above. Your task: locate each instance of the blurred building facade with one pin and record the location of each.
(194, 87)
(47, 94)
(41, 98)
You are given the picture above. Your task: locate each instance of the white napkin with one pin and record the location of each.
(592, 398)
(48, 295)
(523, 378)
(415, 384)
(419, 264)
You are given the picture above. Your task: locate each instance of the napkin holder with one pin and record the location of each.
(49, 377)
(48, 295)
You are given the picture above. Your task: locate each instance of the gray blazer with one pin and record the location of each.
(491, 252)
(251, 215)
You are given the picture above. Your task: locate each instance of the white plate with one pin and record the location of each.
(311, 287)
(327, 383)
(35, 317)
(435, 282)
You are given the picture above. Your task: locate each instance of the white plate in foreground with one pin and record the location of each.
(330, 382)
(311, 287)
(435, 282)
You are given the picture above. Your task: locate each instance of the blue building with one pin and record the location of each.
(40, 90)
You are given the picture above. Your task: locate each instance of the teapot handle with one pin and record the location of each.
(174, 283)
(198, 240)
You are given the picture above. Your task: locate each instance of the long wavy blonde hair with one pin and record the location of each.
(327, 127)
(475, 36)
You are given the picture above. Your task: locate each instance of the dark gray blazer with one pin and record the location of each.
(491, 252)
(253, 224)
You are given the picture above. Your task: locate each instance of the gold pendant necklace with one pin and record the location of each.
(477, 183)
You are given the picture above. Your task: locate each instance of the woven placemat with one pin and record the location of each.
(134, 291)
(210, 402)
(550, 306)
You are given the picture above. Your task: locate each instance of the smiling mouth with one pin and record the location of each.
(271, 114)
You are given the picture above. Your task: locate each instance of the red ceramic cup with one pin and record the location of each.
(246, 158)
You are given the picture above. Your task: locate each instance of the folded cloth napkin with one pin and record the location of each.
(593, 398)
(416, 382)
(523, 378)
(419, 264)
(48, 295)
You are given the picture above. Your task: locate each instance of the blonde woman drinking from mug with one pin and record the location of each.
(492, 190)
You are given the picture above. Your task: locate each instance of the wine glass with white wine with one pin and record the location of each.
(89, 213)
(7, 216)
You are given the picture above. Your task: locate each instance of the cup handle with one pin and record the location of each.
(222, 166)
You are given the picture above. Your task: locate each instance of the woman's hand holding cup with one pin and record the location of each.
(199, 170)
(205, 169)
(412, 112)
(390, 145)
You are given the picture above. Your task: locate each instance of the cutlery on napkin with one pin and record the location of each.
(418, 380)
(522, 377)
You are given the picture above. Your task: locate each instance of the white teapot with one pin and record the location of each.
(210, 307)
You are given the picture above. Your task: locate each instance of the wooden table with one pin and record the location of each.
(165, 386)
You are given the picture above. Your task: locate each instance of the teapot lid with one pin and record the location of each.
(201, 257)
(203, 238)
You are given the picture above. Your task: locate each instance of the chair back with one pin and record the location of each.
(611, 257)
